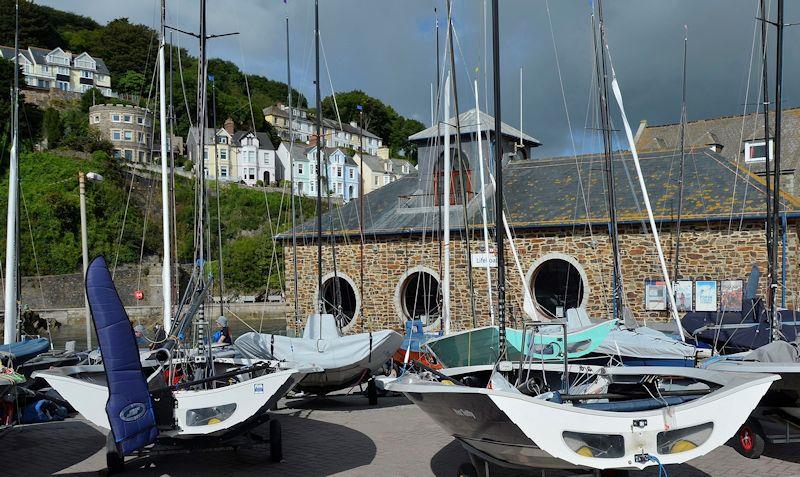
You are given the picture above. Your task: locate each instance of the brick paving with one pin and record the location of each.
(332, 436)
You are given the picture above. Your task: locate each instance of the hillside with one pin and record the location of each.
(50, 219)
(128, 50)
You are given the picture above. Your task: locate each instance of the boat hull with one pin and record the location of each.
(251, 398)
(521, 430)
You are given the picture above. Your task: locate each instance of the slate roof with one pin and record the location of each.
(101, 66)
(7, 52)
(469, 125)
(730, 132)
(263, 139)
(546, 193)
(274, 110)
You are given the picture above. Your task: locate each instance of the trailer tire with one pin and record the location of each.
(115, 461)
(748, 440)
(275, 441)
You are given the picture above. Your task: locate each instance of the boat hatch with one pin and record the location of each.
(602, 446)
(207, 416)
(685, 439)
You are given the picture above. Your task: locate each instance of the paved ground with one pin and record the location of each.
(333, 436)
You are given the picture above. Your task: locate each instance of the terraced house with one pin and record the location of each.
(62, 70)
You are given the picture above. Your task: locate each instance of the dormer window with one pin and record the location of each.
(756, 151)
(222, 139)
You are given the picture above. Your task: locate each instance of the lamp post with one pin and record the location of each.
(82, 178)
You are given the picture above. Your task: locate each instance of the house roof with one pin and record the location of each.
(348, 159)
(547, 193)
(275, 110)
(469, 125)
(730, 132)
(39, 56)
(264, 140)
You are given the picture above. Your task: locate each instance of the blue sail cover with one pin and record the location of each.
(129, 407)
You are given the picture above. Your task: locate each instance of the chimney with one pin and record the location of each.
(279, 104)
(383, 152)
(354, 124)
(229, 126)
(312, 140)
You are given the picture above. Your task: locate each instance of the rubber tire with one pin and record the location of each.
(372, 392)
(751, 432)
(466, 469)
(275, 441)
(115, 462)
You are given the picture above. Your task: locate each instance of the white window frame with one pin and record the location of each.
(116, 135)
(116, 118)
(127, 135)
(87, 74)
(96, 118)
(300, 169)
(223, 154)
(127, 118)
(750, 146)
(351, 174)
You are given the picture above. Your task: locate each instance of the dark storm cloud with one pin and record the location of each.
(386, 48)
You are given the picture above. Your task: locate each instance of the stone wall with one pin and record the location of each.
(709, 251)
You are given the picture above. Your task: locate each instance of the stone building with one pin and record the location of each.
(557, 210)
(739, 138)
(129, 128)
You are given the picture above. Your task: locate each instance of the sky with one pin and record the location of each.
(387, 49)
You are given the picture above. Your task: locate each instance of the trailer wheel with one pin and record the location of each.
(115, 461)
(466, 469)
(275, 442)
(748, 441)
(372, 392)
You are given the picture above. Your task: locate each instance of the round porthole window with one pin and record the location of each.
(339, 299)
(557, 283)
(418, 296)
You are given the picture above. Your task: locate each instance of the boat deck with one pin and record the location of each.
(338, 435)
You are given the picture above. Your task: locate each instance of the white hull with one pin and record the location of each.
(523, 430)
(251, 398)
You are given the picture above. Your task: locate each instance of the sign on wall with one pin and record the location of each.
(731, 295)
(706, 292)
(655, 293)
(683, 295)
(483, 260)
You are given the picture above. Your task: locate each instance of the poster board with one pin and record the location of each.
(705, 295)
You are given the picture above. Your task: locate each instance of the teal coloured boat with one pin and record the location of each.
(479, 346)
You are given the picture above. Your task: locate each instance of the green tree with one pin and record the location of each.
(131, 82)
(53, 129)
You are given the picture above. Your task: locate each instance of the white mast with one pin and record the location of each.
(166, 273)
(446, 210)
(653, 228)
(483, 205)
(10, 328)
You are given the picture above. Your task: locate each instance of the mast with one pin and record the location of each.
(439, 198)
(11, 296)
(220, 265)
(361, 204)
(201, 181)
(498, 173)
(319, 162)
(166, 267)
(776, 189)
(291, 176)
(483, 206)
(446, 211)
(767, 140)
(676, 276)
(172, 175)
(461, 166)
(611, 198)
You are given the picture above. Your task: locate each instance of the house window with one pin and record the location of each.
(223, 172)
(128, 154)
(313, 187)
(62, 70)
(222, 139)
(300, 187)
(557, 283)
(385, 180)
(127, 118)
(376, 180)
(338, 187)
(265, 157)
(141, 156)
(45, 69)
(86, 74)
(205, 153)
(139, 120)
(351, 173)
(116, 135)
(251, 157)
(339, 171)
(223, 155)
(300, 171)
(96, 118)
(756, 151)
(140, 137)
(117, 153)
(129, 135)
(115, 118)
(251, 173)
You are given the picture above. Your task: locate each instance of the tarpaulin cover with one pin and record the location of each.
(129, 407)
(24, 350)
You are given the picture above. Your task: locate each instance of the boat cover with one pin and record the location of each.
(24, 350)
(329, 352)
(775, 352)
(736, 331)
(129, 407)
(645, 343)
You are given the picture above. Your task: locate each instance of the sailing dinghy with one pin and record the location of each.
(141, 412)
(346, 360)
(622, 417)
